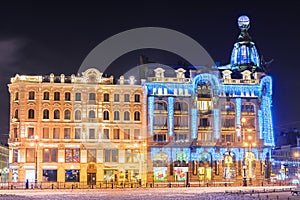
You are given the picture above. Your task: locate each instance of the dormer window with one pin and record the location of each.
(180, 73)
(159, 72)
(226, 74)
(246, 75)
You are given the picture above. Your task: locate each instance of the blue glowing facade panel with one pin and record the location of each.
(150, 114)
(260, 123)
(238, 104)
(194, 123)
(216, 123)
(171, 115)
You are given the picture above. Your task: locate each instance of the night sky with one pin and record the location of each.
(44, 38)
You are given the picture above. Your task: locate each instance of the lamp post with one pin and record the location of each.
(35, 144)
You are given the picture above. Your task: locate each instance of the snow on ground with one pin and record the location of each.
(210, 193)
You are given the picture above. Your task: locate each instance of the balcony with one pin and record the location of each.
(205, 128)
(160, 112)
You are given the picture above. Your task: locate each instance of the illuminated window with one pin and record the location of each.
(78, 115)
(116, 98)
(67, 96)
(30, 133)
(56, 96)
(30, 114)
(67, 115)
(46, 114)
(137, 116)
(105, 133)
(180, 137)
(126, 116)
(31, 95)
(56, 133)
(131, 155)
(137, 134)
(46, 96)
(91, 155)
(46, 133)
(116, 115)
(72, 175)
(126, 134)
(137, 98)
(50, 155)
(30, 155)
(49, 175)
(116, 134)
(77, 96)
(72, 155)
(106, 97)
(106, 115)
(77, 133)
(67, 133)
(159, 137)
(126, 98)
(56, 114)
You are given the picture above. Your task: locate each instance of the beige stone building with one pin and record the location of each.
(76, 129)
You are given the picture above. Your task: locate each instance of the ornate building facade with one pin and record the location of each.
(197, 124)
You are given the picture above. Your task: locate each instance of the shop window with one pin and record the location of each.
(72, 175)
(49, 175)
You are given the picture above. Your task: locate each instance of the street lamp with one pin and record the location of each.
(36, 161)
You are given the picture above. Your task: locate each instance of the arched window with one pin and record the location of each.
(126, 116)
(137, 116)
(16, 114)
(106, 115)
(67, 115)
(30, 114)
(116, 115)
(46, 96)
(92, 114)
(160, 105)
(77, 115)
(56, 114)
(228, 107)
(46, 114)
(180, 106)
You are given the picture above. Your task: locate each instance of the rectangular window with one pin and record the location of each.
(72, 175)
(159, 137)
(46, 96)
(131, 156)
(116, 98)
(116, 134)
(50, 155)
(46, 133)
(91, 155)
(67, 96)
(126, 134)
(56, 133)
(56, 96)
(136, 98)
(49, 175)
(137, 134)
(92, 96)
(106, 133)
(78, 97)
(67, 133)
(31, 95)
(111, 155)
(126, 98)
(72, 155)
(15, 133)
(77, 133)
(92, 134)
(15, 155)
(106, 97)
(30, 133)
(30, 155)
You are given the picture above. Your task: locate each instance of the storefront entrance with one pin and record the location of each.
(91, 178)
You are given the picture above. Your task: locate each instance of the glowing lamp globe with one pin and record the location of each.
(244, 22)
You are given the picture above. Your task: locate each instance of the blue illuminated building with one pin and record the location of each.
(214, 123)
